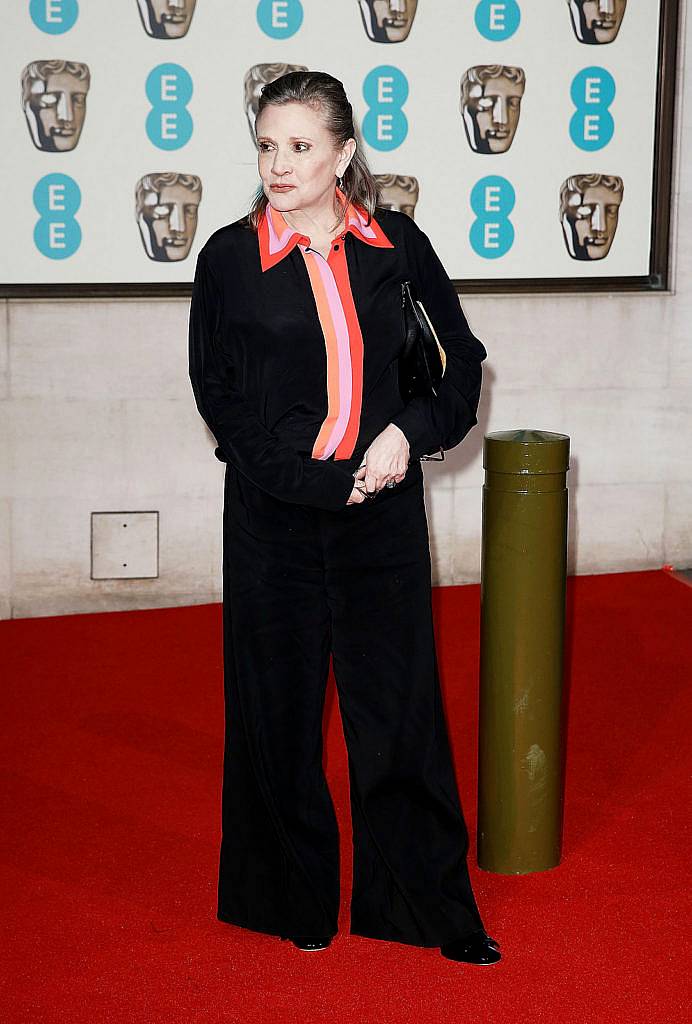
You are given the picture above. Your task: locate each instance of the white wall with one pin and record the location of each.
(97, 414)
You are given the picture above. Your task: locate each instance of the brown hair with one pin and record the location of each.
(325, 94)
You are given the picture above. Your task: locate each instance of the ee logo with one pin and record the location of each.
(57, 198)
(492, 232)
(279, 19)
(54, 16)
(169, 90)
(497, 19)
(592, 91)
(385, 91)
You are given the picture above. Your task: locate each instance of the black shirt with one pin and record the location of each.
(258, 362)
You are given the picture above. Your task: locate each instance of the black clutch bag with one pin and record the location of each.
(422, 359)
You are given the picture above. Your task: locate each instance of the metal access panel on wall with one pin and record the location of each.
(124, 545)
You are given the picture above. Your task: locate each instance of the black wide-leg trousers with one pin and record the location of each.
(298, 583)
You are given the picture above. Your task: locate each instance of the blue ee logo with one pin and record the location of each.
(57, 199)
(492, 232)
(592, 91)
(169, 90)
(54, 16)
(279, 19)
(497, 19)
(385, 91)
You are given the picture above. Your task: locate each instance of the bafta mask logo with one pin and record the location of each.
(596, 21)
(166, 209)
(398, 192)
(387, 21)
(589, 210)
(490, 106)
(54, 96)
(255, 79)
(166, 19)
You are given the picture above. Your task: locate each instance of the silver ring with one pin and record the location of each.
(391, 483)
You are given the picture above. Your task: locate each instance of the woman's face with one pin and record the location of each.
(295, 148)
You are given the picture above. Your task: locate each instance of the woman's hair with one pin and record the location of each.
(325, 94)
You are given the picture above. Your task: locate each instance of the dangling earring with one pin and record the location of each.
(341, 183)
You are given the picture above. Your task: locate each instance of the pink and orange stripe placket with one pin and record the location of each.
(338, 317)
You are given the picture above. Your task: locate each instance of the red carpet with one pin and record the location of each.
(112, 775)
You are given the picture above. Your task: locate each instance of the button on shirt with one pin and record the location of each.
(293, 358)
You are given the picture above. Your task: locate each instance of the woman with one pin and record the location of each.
(295, 330)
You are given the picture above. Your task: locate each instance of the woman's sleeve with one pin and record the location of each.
(442, 421)
(241, 435)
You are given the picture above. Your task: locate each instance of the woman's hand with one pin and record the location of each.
(386, 459)
(357, 497)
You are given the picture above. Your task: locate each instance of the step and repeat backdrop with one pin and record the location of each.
(522, 135)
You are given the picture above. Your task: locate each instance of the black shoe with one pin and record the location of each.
(477, 948)
(309, 941)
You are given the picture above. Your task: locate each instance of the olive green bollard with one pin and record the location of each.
(523, 579)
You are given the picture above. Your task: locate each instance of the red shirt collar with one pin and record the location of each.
(277, 237)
